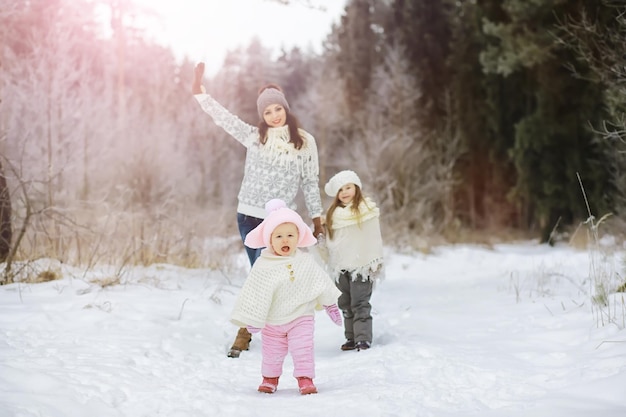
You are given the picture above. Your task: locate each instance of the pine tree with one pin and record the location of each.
(356, 51)
(423, 30)
(481, 195)
(6, 231)
(552, 141)
(597, 35)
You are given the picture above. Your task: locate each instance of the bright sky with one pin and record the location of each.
(206, 30)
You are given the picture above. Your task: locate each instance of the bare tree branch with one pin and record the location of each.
(306, 3)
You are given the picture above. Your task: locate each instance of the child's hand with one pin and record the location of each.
(253, 329)
(334, 313)
(322, 248)
(198, 73)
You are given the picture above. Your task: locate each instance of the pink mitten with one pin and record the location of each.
(253, 329)
(334, 313)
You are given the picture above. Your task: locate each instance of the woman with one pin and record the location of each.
(281, 159)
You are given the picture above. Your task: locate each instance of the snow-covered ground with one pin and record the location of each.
(465, 331)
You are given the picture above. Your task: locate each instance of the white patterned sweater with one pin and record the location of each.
(280, 289)
(273, 170)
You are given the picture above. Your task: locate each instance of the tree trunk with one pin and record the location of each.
(5, 217)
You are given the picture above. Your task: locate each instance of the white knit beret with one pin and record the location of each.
(278, 213)
(340, 179)
(268, 97)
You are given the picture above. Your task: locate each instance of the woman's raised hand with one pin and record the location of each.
(198, 73)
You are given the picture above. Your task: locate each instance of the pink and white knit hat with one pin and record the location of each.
(279, 213)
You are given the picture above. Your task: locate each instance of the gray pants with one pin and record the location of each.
(354, 302)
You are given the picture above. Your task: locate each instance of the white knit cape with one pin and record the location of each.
(356, 246)
(270, 296)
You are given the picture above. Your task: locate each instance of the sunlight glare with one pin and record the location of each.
(205, 31)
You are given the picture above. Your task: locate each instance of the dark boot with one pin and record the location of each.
(363, 345)
(242, 342)
(349, 345)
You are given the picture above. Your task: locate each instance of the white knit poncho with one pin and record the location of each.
(280, 289)
(357, 244)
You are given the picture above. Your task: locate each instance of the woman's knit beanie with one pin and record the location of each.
(268, 97)
(278, 213)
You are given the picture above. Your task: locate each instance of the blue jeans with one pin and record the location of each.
(246, 224)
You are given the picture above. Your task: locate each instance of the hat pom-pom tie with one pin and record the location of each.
(274, 205)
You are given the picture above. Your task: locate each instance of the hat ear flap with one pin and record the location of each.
(306, 237)
(254, 238)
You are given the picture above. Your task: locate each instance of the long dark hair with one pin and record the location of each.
(292, 124)
(356, 202)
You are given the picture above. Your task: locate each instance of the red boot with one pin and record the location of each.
(269, 385)
(306, 385)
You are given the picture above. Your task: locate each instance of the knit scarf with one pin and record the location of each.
(345, 216)
(279, 151)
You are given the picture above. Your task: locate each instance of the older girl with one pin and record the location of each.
(355, 251)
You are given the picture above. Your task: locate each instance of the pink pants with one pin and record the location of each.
(295, 337)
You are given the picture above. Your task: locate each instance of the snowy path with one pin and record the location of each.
(465, 332)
